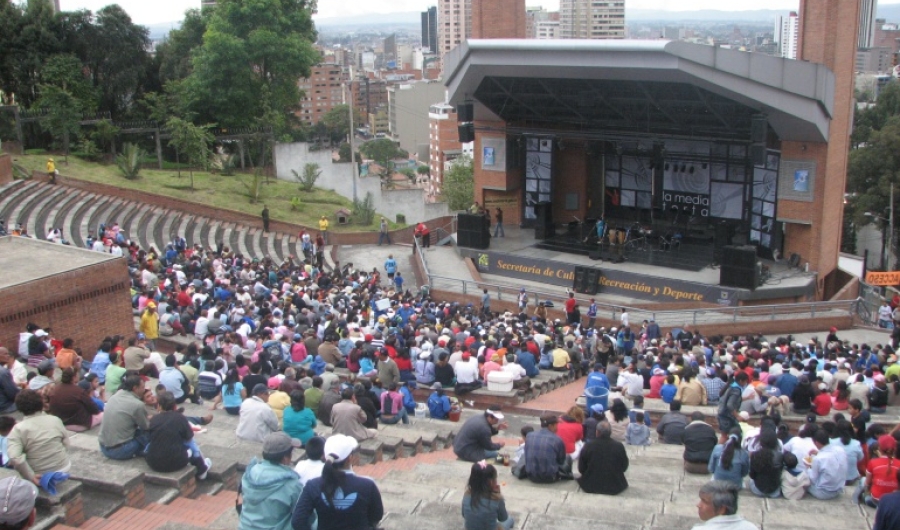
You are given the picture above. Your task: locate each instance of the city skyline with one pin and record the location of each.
(173, 10)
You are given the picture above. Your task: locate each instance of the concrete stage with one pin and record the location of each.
(518, 257)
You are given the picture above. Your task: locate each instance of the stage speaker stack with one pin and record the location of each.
(472, 231)
(543, 224)
(738, 267)
(586, 281)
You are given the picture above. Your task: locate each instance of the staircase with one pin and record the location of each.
(40, 206)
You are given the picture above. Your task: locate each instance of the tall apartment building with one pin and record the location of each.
(498, 19)
(368, 94)
(408, 106)
(443, 137)
(887, 35)
(541, 24)
(592, 19)
(389, 47)
(786, 31)
(429, 29)
(867, 11)
(322, 91)
(454, 24)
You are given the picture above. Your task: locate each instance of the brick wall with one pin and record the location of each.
(498, 19)
(6, 174)
(85, 304)
(402, 235)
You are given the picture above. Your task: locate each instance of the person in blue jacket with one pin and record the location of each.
(438, 403)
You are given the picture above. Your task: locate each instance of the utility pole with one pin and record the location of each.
(890, 257)
(352, 149)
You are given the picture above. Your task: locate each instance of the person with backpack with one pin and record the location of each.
(730, 402)
(392, 409)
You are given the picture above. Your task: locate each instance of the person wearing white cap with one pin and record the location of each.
(339, 499)
(270, 488)
(473, 441)
(17, 498)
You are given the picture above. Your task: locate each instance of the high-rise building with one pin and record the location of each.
(498, 19)
(322, 91)
(867, 12)
(541, 24)
(453, 17)
(592, 19)
(786, 31)
(429, 29)
(389, 47)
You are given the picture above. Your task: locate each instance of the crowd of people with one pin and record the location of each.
(268, 340)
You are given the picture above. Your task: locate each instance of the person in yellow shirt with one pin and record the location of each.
(323, 228)
(51, 170)
(150, 325)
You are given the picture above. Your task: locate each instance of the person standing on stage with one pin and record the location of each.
(499, 228)
(601, 230)
(592, 314)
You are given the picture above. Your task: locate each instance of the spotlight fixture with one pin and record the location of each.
(683, 168)
(705, 165)
(667, 166)
(691, 170)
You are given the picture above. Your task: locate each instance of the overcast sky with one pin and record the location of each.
(153, 12)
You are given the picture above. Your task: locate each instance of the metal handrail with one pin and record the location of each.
(668, 317)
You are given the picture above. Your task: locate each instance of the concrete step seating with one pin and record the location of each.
(39, 206)
(660, 496)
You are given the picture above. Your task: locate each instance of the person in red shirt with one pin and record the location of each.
(571, 430)
(657, 380)
(570, 307)
(822, 402)
(881, 472)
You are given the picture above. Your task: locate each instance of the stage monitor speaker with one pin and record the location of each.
(757, 154)
(578, 284)
(743, 257)
(592, 281)
(740, 277)
(759, 129)
(473, 239)
(466, 133)
(465, 112)
(469, 221)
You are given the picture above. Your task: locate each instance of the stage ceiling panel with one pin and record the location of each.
(656, 88)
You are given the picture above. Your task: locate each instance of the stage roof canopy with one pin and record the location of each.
(643, 88)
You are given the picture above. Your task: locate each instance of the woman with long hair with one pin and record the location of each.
(766, 465)
(339, 499)
(840, 398)
(299, 421)
(728, 461)
(617, 415)
(483, 507)
(852, 447)
(233, 392)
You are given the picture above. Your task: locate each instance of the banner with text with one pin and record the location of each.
(611, 281)
(883, 278)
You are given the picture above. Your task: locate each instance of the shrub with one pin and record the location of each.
(129, 162)
(307, 180)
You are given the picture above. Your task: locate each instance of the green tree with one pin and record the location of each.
(192, 141)
(63, 115)
(459, 183)
(35, 39)
(105, 134)
(336, 123)
(382, 151)
(176, 52)
(253, 53)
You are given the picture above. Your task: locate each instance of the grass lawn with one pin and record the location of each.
(213, 190)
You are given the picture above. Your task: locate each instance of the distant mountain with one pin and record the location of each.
(705, 15)
(373, 19)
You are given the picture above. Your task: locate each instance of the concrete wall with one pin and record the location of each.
(339, 177)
